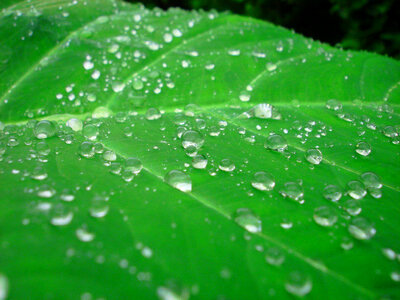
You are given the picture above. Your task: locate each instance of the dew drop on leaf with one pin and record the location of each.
(134, 165)
(84, 235)
(245, 218)
(276, 142)
(44, 129)
(226, 165)
(3, 286)
(153, 114)
(325, 216)
(90, 132)
(192, 138)
(371, 180)
(179, 180)
(332, 192)
(199, 162)
(293, 190)
(274, 256)
(356, 190)
(263, 181)
(363, 148)
(61, 215)
(352, 207)
(75, 124)
(314, 156)
(298, 284)
(99, 206)
(362, 229)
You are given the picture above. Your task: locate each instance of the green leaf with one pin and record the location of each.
(80, 217)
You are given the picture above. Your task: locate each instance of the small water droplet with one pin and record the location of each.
(293, 190)
(245, 218)
(352, 207)
(192, 138)
(298, 284)
(44, 129)
(226, 165)
(263, 181)
(332, 192)
(356, 190)
(325, 216)
(84, 235)
(333, 104)
(314, 156)
(362, 229)
(99, 207)
(276, 142)
(363, 148)
(371, 180)
(75, 124)
(274, 256)
(179, 180)
(90, 132)
(134, 165)
(153, 114)
(199, 162)
(61, 215)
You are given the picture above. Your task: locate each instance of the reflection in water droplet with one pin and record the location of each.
(293, 190)
(99, 206)
(356, 190)
(134, 165)
(226, 165)
(44, 129)
(362, 229)
(245, 218)
(4, 285)
(325, 216)
(274, 256)
(332, 192)
(179, 180)
(363, 148)
(352, 207)
(192, 138)
(276, 142)
(61, 215)
(314, 156)
(298, 284)
(199, 162)
(371, 180)
(84, 235)
(263, 181)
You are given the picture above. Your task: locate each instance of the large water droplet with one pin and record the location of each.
(371, 180)
(134, 165)
(263, 181)
(362, 229)
(226, 165)
(44, 129)
(314, 156)
(293, 190)
(276, 142)
(199, 162)
(274, 256)
(325, 216)
(352, 207)
(332, 192)
(363, 148)
(356, 190)
(179, 180)
(99, 206)
(90, 132)
(192, 138)
(245, 218)
(298, 284)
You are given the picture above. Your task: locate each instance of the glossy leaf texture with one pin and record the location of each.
(170, 154)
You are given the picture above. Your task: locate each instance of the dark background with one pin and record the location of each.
(371, 25)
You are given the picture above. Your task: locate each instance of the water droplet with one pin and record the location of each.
(244, 96)
(371, 180)
(325, 216)
(75, 124)
(361, 229)
(134, 165)
(3, 286)
(314, 156)
(263, 181)
(192, 138)
(86, 149)
(352, 207)
(44, 129)
(42, 148)
(245, 218)
(39, 173)
(118, 86)
(199, 162)
(276, 142)
(109, 155)
(84, 235)
(90, 132)
(87, 65)
(99, 206)
(226, 165)
(153, 114)
(274, 256)
(179, 180)
(395, 276)
(332, 192)
(298, 284)
(356, 190)
(333, 104)
(61, 215)
(46, 191)
(271, 66)
(293, 190)
(363, 148)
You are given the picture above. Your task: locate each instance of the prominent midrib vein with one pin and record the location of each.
(315, 264)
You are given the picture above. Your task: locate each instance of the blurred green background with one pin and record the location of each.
(371, 25)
